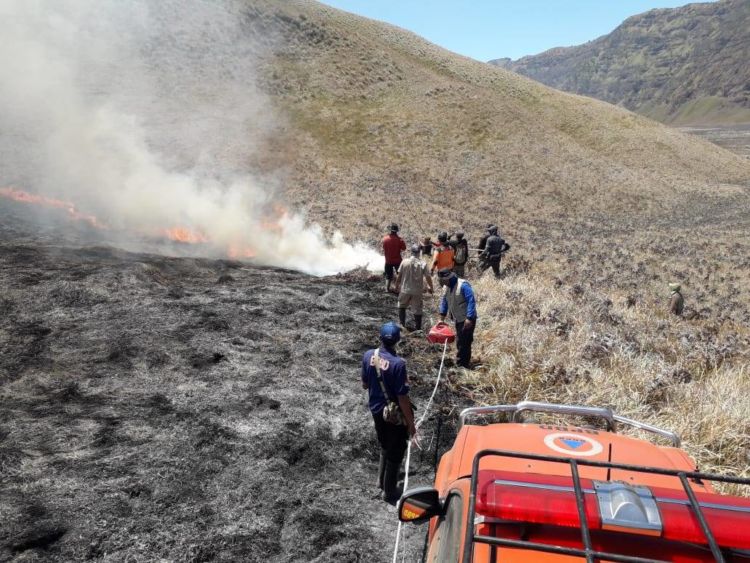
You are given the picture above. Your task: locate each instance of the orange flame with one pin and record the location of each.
(25, 197)
(183, 234)
(273, 224)
(236, 252)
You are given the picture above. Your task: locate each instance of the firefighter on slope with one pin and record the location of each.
(384, 377)
(412, 276)
(393, 245)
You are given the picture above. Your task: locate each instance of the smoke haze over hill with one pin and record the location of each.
(146, 115)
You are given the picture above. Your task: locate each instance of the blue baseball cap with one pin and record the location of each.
(390, 333)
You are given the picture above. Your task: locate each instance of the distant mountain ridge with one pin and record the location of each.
(687, 65)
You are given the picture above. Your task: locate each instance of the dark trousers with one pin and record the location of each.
(393, 438)
(495, 263)
(390, 271)
(464, 338)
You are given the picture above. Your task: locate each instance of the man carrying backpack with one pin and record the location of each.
(460, 253)
(384, 377)
(410, 281)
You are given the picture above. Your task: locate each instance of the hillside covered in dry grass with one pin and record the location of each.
(375, 113)
(603, 208)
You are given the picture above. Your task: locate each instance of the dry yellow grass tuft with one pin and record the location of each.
(543, 342)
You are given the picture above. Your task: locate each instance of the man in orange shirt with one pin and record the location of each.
(444, 254)
(393, 245)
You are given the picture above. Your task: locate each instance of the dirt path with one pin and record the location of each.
(188, 410)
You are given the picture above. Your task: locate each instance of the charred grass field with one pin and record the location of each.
(188, 409)
(184, 409)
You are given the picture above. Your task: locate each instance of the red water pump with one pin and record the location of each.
(441, 333)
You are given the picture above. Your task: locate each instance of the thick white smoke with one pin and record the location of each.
(145, 113)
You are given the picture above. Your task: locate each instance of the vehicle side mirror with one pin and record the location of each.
(419, 505)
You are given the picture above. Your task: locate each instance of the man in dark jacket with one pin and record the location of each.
(483, 241)
(382, 369)
(494, 249)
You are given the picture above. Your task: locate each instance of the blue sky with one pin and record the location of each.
(486, 29)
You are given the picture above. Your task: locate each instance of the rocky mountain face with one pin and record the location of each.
(687, 65)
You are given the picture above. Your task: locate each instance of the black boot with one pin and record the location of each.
(381, 469)
(417, 322)
(391, 493)
(402, 316)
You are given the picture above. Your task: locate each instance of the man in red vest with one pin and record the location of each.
(393, 245)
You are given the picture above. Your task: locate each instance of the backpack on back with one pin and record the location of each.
(461, 254)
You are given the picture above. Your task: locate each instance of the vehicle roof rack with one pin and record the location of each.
(588, 552)
(516, 411)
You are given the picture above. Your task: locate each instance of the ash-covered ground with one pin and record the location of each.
(182, 409)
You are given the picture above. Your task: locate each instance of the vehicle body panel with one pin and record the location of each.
(455, 470)
(595, 445)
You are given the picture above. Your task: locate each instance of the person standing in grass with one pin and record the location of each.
(393, 245)
(483, 240)
(676, 301)
(384, 377)
(494, 249)
(458, 300)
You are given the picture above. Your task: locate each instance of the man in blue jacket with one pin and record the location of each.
(382, 369)
(458, 300)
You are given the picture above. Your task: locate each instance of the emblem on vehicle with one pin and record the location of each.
(573, 444)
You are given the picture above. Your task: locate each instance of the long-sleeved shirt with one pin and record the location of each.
(468, 296)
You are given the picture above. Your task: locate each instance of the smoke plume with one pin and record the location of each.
(145, 114)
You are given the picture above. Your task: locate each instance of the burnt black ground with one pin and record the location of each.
(188, 409)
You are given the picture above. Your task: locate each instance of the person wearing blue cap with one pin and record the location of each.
(458, 300)
(384, 377)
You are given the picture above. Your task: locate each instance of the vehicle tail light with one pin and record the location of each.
(613, 506)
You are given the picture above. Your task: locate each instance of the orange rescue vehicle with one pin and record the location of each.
(515, 492)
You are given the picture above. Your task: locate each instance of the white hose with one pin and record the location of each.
(408, 448)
